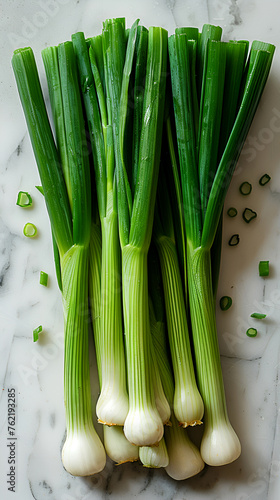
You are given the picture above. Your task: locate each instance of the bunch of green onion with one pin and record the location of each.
(147, 132)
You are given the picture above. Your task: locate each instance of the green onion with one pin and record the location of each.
(234, 240)
(245, 188)
(184, 458)
(264, 268)
(143, 425)
(112, 404)
(187, 403)
(44, 278)
(120, 91)
(232, 212)
(30, 230)
(36, 333)
(225, 302)
(117, 447)
(264, 179)
(249, 215)
(204, 190)
(70, 223)
(258, 315)
(251, 332)
(24, 199)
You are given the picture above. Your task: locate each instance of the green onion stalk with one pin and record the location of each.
(187, 403)
(205, 179)
(184, 459)
(136, 198)
(112, 404)
(117, 447)
(83, 453)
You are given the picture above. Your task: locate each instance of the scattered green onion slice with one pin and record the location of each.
(225, 302)
(44, 278)
(24, 199)
(232, 212)
(234, 240)
(251, 332)
(258, 315)
(245, 188)
(36, 333)
(264, 180)
(30, 230)
(264, 268)
(40, 188)
(249, 215)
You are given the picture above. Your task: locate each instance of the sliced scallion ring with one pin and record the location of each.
(225, 302)
(264, 180)
(251, 332)
(44, 278)
(24, 199)
(234, 240)
(30, 230)
(258, 315)
(249, 215)
(245, 188)
(232, 212)
(36, 333)
(264, 268)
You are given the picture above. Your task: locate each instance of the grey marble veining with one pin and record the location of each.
(251, 367)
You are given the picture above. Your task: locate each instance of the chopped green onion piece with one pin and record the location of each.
(264, 268)
(249, 215)
(245, 188)
(258, 315)
(30, 230)
(36, 332)
(24, 199)
(251, 332)
(264, 180)
(44, 278)
(234, 240)
(40, 188)
(232, 212)
(225, 302)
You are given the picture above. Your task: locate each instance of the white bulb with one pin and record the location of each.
(117, 447)
(83, 453)
(143, 427)
(112, 405)
(220, 444)
(154, 456)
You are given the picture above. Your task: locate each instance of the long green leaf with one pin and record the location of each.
(44, 148)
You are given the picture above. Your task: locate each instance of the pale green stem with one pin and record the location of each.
(188, 404)
(208, 363)
(112, 405)
(143, 425)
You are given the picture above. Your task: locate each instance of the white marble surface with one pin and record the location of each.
(250, 366)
